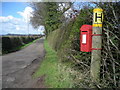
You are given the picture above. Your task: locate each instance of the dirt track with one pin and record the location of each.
(18, 67)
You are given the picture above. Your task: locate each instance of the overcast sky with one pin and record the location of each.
(15, 19)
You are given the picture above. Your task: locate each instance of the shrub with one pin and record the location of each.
(10, 43)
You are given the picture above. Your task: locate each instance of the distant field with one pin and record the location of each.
(12, 43)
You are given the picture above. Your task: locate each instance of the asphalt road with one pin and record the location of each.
(18, 67)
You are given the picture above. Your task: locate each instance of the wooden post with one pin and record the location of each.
(96, 44)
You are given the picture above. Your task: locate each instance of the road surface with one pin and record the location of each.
(18, 67)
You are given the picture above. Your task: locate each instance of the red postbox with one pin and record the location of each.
(86, 38)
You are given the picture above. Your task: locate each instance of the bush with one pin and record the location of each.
(6, 44)
(10, 43)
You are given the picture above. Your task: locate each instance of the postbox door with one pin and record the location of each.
(86, 38)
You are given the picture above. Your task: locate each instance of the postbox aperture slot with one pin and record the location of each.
(84, 31)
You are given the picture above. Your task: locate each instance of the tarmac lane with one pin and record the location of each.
(18, 67)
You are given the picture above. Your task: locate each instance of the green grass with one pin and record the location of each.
(55, 74)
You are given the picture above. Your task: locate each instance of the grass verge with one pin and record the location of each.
(21, 47)
(56, 76)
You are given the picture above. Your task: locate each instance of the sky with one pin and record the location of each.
(15, 19)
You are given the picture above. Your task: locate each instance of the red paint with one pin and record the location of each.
(96, 34)
(96, 48)
(86, 38)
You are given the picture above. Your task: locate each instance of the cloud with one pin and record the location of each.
(13, 25)
(26, 13)
(10, 19)
(41, 29)
(17, 27)
(6, 19)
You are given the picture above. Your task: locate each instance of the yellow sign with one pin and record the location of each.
(97, 17)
